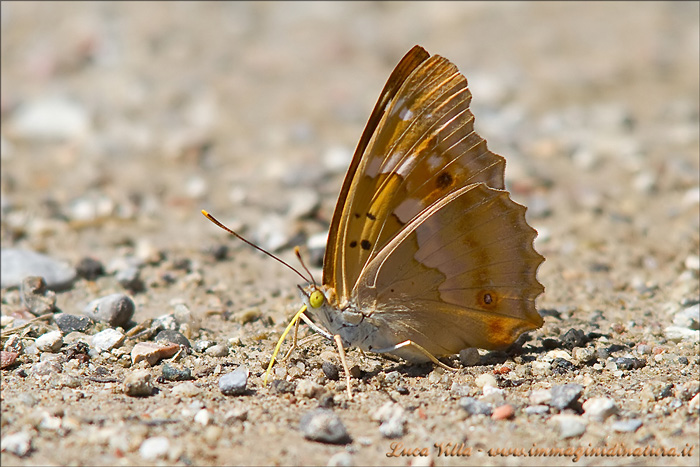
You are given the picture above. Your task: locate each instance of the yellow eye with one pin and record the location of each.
(316, 299)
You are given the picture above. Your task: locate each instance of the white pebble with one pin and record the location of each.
(154, 448)
(50, 342)
(107, 339)
(599, 408)
(485, 379)
(203, 417)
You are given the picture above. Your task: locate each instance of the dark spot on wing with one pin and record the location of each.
(444, 180)
(353, 244)
(371, 216)
(357, 215)
(365, 244)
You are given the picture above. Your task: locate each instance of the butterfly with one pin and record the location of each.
(427, 254)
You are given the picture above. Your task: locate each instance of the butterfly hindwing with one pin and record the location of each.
(462, 274)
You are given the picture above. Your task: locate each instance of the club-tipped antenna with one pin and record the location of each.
(216, 221)
(303, 265)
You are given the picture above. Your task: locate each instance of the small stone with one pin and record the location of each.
(47, 367)
(325, 426)
(308, 389)
(566, 395)
(186, 389)
(678, 334)
(8, 358)
(537, 410)
(89, 268)
(50, 118)
(393, 420)
(138, 384)
(202, 345)
(154, 448)
(561, 366)
(49, 342)
(70, 323)
(18, 444)
(541, 396)
(340, 459)
(234, 383)
(16, 264)
(503, 412)
(541, 368)
(316, 245)
(130, 278)
(172, 337)
(474, 406)
(237, 414)
(218, 350)
(584, 354)
(492, 395)
(37, 298)
(485, 379)
(107, 340)
(203, 417)
(569, 426)
(152, 352)
(574, 338)
(115, 309)
(247, 316)
(280, 386)
(171, 373)
(599, 408)
(469, 357)
(330, 370)
(629, 363)
(627, 426)
(303, 203)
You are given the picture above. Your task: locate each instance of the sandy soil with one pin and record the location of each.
(251, 111)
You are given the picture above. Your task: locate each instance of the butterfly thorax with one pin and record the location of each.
(356, 327)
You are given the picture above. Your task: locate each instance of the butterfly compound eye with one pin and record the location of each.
(316, 299)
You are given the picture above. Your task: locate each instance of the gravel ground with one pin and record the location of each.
(120, 121)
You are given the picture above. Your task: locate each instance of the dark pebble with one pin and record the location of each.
(218, 252)
(234, 383)
(171, 373)
(36, 297)
(574, 338)
(326, 401)
(403, 390)
(325, 426)
(116, 309)
(280, 386)
(331, 371)
(90, 269)
(566, 395)
(130, 279)
(68, 323)
(173, 337)
(474, 406)
(549, 343)
(629, 363)
(683, 360)
(561, 366)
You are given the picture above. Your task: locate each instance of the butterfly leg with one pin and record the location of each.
(341, 352)
(294, 343)
(410, 343)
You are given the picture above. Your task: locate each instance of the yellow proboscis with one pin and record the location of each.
(279, 342)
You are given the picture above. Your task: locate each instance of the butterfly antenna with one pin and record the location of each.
(303, 265)
(216, 221)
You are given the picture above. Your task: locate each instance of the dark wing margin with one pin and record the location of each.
(403, 70)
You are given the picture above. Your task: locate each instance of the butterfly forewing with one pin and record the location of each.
(423, 148)
(462, 274)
